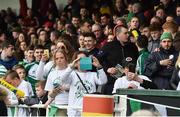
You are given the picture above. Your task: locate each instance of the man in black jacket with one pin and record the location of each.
(160, 65)
(117, 52)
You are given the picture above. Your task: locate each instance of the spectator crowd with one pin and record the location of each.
(133, 44)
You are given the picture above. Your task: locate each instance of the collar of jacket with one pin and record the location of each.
(169, 51)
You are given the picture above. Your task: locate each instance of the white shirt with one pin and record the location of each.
(76, 92)
(26, 88)
(124, 83)
(61, 98)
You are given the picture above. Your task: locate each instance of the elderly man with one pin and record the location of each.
(160, 65)
(100, 37)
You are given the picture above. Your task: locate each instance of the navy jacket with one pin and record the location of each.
(9, 64)
(160, 75)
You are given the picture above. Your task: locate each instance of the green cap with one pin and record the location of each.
(166, 35)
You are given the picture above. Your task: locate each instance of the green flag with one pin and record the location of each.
(135, 106)
(53, 111)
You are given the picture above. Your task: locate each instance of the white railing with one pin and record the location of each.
(60, 107)
(38, 106)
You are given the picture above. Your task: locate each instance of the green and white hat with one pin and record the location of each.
(166, 35)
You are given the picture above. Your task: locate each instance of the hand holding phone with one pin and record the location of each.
(46, 52)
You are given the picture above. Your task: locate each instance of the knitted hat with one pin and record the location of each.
(166, 35)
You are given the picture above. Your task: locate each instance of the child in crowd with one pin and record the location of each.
(41, 98)
(13, 78)
(129, 80)
(22, 75)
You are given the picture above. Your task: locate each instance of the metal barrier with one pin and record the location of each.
(163, 98)
(166, 100)
(37, 106)
(16, 107)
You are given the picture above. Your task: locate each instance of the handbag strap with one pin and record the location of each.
(82, 83)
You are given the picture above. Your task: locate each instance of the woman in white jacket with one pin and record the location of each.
(89, 79)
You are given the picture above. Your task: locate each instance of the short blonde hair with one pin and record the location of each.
(170, 25)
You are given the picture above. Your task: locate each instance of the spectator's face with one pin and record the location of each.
(14, 82)
(38, 54)
(126, 70)
(97, 31)
(53, 37)
(166, 44)
(178, 11)
(130, 8)
(15, 35)
(9, 50)
(83, 12)
(123, 35)
(22, 73)
(29, 12)
(23, 46)
(155, 35)
(146, 32)
(31, 30)
(118, 3)
(60, 26)
(104, 20)
(2, 37)
(53, 49)
(21, 37)
(40, 91)
(160, 13)
(42, 36)
(89, 43)
(87, 26)
(81, 41)
(110, 38)
(134, 23)
(135, 9)
(169, 19)
(176, 45)
(60, 60)
(30, 55)
(75, 21)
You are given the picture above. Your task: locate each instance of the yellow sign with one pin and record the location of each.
(12, 88)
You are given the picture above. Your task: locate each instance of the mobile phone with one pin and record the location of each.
(86, 63)
(46, 51)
